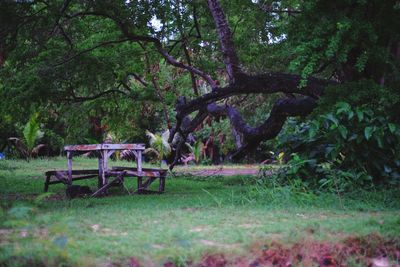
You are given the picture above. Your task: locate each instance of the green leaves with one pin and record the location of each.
(357, 143)
(392, 127)
(196, 150)
(360, 115)
(361, 61)
(313, 130)
(198, 146)
(32, 131)
(368, 132)
(330, 117)
(159, 144)
(343, 131)
(342, 107)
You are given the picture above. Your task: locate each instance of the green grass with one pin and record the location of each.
(195, 216)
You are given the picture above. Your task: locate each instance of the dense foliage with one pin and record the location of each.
(352, 142)
(352, 139)
(78, 66)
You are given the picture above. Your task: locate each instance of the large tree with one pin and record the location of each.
(293, 49)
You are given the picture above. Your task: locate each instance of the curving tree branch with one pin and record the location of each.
(256, 84)
(270, 128)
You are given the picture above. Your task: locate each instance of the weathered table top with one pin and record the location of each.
(93, 147)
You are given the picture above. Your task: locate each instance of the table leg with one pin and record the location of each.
(139, 183)
(138, 155)
(105, 166)
(161, 186)
(46, 183)
(100, 181)
(69, 162)
(139, 161)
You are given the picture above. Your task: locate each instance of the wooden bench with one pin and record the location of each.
(62, 177)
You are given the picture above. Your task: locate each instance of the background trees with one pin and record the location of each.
(120, 66)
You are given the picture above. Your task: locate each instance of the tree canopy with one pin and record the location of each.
(127, 66)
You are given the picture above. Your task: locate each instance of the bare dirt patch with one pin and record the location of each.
(221, 172)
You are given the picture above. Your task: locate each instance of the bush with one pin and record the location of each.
(353, 144)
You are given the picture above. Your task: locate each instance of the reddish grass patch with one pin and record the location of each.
(217, 260)
(366, 251)
(371, 250)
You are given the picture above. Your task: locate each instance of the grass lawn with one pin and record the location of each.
(196, 216)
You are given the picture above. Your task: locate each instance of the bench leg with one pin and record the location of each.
(161, 187)
(139, 183)
(46, 183)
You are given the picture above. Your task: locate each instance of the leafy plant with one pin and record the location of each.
(196, 150)
(159, 145)
(345, 148)
(31, 133)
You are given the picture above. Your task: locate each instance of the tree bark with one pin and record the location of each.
(225, 36)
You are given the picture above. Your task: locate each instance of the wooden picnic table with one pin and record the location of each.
(104, 151)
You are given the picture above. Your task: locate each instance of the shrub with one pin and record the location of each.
(353, 144)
